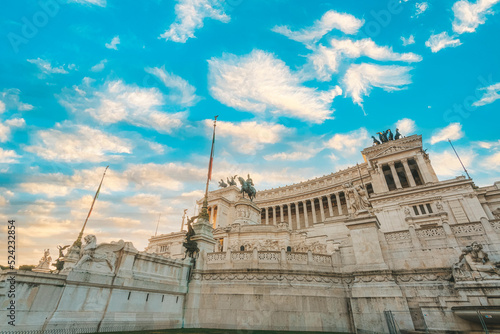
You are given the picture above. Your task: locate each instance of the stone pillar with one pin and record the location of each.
(297, 215)
(211, 219)
(365, 231)
(305, 214)
(395, 175)
(339, 205)
(313, 211)
(281, 214)
(414, 238)
(274, 214)
(422, 167)
(408, 173)
(267, 215)
(330, 208)
(321, 209)
(450, 237)
(289, 215)
(490, 232)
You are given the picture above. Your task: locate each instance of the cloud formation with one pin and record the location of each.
(331, 20)
(77, 143)
(116, 101)
(261, 83)
(114, 43)
(47, 68)
(441, 41)
(360, 78)
(250, 136)
(468, 16)
(189, 17)
(452, 132)
(182, 93)
(325, 61)
(490, 95)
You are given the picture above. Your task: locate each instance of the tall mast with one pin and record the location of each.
(204, 208)
(453, 147)
(78, 241)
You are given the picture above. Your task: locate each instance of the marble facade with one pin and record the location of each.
(416, 253)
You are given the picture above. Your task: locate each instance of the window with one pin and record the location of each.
(369, 188)
(415, 210)
(422, 209)
(415, 172)
(289, 249)
(242, 248)
(429, 209)
(388, 177)
(400, 171)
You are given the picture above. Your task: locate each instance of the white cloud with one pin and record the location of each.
(100, 66)
(325, 61)
(101, 3)
(114, 43)
(77, 144)
(408, 41)
(490, 96)
(190, 15)
(406, 126)
(492, 162)
(46, 67)
(250, 136)
(8, 156)
(290, 156)
(420, 7)
(360, 78)
(7, 126)
(349, 143)
(452, 132)
(117, 102)
(182, 92)
(446, 163)
(9, 100)
(260, 83)
(346, 23)
(143, 200)
(169, 176)
(441, 41)
(468, 16)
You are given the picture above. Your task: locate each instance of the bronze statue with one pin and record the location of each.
(247, 187)
(231, 180)
(191, 245)
(222, 184)
(375, 141)
(398, 135)
(390, 137)
(59, 264)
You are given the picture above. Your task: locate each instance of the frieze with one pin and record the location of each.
(421, 194)
(263, 277)
(468, 229)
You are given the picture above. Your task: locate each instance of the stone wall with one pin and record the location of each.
(145, 291)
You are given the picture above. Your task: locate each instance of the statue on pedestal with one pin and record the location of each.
(190, 245)
(247, 187)
(358, 198)
(474, 264)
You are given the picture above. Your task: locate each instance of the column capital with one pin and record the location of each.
(391, 163)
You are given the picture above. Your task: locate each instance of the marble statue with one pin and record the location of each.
(358, 198)
(474, 264)
(44, 264)
(99, 253)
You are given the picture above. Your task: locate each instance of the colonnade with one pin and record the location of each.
(305, 213)
(402, 174)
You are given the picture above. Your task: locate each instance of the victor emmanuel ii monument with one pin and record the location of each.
(381, 246)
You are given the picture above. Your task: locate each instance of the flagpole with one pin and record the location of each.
(453, 147)
(204, 209)
(78, 241)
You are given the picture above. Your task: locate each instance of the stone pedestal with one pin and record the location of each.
(204, 235)
(364, 233)
(247, 213)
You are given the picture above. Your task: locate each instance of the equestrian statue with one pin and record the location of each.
(247, 187)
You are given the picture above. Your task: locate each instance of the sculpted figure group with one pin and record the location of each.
(386, 136)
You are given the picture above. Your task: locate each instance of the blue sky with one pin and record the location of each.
(299, 87)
